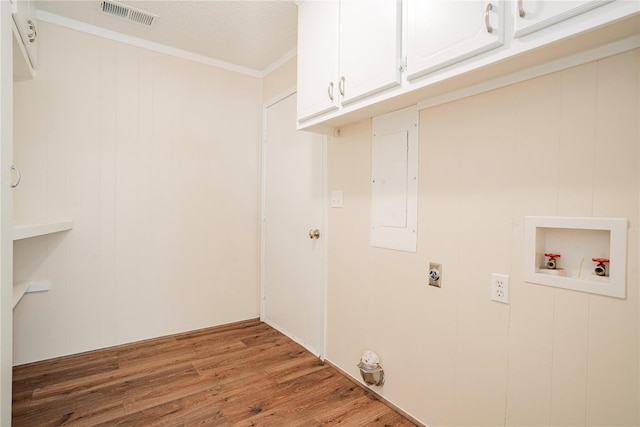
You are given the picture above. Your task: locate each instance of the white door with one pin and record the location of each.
(293, 279)
(442, 32)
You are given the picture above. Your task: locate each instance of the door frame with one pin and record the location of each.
(324, 224)
(6, 216)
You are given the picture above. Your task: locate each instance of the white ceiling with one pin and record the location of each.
(249, 33)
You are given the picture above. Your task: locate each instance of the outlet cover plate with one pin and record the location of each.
(500, 288)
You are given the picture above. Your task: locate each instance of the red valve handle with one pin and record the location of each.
(600, 260)
(552, 255)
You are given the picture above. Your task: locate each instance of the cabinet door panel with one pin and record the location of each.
(317, 58)
(534, 15)
(444, 32)
(370, 37)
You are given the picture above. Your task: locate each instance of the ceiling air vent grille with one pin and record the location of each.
(127, 12)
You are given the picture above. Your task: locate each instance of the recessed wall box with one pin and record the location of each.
(579, 240)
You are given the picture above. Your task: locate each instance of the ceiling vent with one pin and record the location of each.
(127, 12)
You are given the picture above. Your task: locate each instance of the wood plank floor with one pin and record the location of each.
(244, 374)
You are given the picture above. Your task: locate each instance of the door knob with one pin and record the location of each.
(314, 233)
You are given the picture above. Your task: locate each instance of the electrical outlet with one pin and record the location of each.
(500, 288)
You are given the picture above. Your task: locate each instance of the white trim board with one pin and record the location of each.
(286, 57)
(275, 99)
(531, 73)
(145, 44)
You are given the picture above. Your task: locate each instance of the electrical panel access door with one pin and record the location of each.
(394, 180)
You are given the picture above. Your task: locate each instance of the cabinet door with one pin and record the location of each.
(370, 39)
(24, 15)
(317, 58)
(441, 32)
(534, 15)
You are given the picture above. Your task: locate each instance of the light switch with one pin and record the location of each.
(336, 199)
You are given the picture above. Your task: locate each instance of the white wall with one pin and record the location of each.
(156, 159)
(279, 80)
(139, 262)
(565, 144)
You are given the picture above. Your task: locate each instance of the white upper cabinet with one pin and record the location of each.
(534, 15)
(24, 16)
(442, 32)
(370, 55)
(318, 73)
(347, 50)
(359, 58)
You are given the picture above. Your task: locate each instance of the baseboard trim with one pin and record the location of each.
(377, 396)
(140, 342)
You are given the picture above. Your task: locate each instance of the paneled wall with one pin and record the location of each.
(156, 160)
(565, 144)
(279, 80)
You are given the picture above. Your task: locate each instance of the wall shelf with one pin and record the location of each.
(24, 229)
(22, 288)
